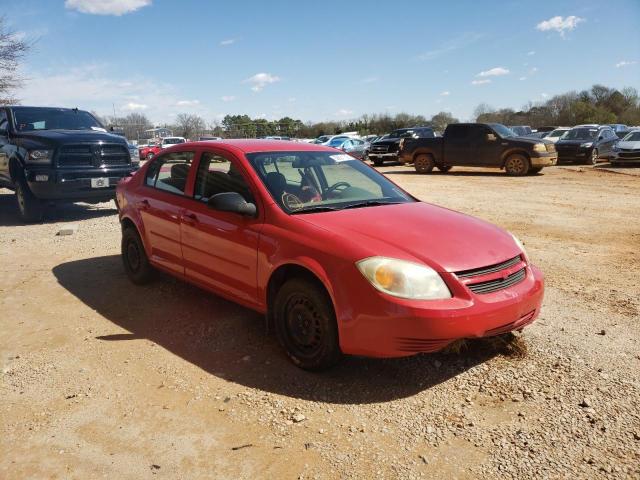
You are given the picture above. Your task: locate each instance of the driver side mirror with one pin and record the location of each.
(491, 137)
(232, 202)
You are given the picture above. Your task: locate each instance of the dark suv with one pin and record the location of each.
(59, 154)
(587, 143)
(386, 148)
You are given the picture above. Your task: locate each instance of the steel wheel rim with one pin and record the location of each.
(303, 325)
(515, 164)
(133, 256)
(20, 198)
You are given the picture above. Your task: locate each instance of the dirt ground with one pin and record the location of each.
(101, 378)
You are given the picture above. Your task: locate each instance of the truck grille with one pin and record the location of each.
(493, 284)
(93, 155)
(379, 148)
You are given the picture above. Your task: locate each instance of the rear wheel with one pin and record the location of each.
(443, 168)
(424, 163)
(517, 165)
(134, 257)
(306, 325)
(31, 208)
(593, 158)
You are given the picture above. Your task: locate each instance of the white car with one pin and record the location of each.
(167, 142)
(627, 149)
(555, 135)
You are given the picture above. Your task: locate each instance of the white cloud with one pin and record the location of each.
(533, 70)
(187, 103)
(446, 93)
(494, 72)
(532, 52)
(522, 78)
(560, 24)
(227, 98)
(625, 63)
(106, 7)
(261, 80)
(343, 112)
(370, 80)
(480, 82)
(227, 42)
(132, 107)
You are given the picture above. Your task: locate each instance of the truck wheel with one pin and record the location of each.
(134, 258)
(593, 158)
(377, 162)
(424, 163)
(31, 208)
(443, 168)
(517, 165)
(306, 325)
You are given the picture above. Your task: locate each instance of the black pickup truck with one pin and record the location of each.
(59, 154)
(386, 148)
(478, 145)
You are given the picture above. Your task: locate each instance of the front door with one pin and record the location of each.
(486, 146)
(220, 249)
(160, 204)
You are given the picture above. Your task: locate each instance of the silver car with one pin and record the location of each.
(628, 149)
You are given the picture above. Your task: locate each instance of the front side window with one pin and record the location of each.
(170, 172)
(306, 181)
(501, 130)
(216, 174)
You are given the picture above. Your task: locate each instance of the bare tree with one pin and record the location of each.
(12, 51)
(190, 125)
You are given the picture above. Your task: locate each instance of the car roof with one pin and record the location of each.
(262, 145)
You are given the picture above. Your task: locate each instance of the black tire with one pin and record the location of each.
(31, 208)
(443, 168)
(517, 165)
(134, 258)
(535, 170)
(377, 162)
(305, 324)
(424, 163)
(593, 158)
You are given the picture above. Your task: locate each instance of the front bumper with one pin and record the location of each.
(384, 156)
(576, 155)
(626, 157)
(544, 160)
(74, 184)
(379, 325)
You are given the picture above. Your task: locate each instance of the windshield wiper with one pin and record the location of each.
(370, 203)
(318, 208)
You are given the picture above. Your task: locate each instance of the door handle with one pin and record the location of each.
(143, 205)
(190, 218)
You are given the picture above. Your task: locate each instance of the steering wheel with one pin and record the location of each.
(335, 187)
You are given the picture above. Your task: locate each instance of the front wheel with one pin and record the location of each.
(30, 207)
(593, 158)
(306, 325)
(134, 258)
(424, 163)
(517, 165)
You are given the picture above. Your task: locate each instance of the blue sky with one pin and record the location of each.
(320, 61)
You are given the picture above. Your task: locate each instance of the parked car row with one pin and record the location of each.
(154, 147)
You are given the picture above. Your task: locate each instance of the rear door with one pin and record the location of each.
(220, 249)
(457, 146)
(160, 205)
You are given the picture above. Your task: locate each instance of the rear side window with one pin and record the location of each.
(170, 172)
(458, 132)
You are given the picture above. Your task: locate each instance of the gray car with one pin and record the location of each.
(352, 146)
(628, 149)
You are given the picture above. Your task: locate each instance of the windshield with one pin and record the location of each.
(581, 134)
(173, 141)
(314, 181)
(632, 137)
(557, 133)
(28, 119)
(501, 130)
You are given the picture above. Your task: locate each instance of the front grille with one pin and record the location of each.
(551, 148)
(490, 269)
(75, 156)
(498, 284)
(92, 155)
(568, 150)
(379, 148)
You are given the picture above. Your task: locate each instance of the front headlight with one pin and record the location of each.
(540, 147)
(403, 279)
(39, 156)
(586, 145)
(135, 155)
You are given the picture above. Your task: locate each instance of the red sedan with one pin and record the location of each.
(338, 258)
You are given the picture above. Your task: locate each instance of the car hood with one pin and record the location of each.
(386, 141)
(59, 137)
(635, 145)
(441, 238)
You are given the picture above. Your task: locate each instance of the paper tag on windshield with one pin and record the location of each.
(98, 129)
(342, 157)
